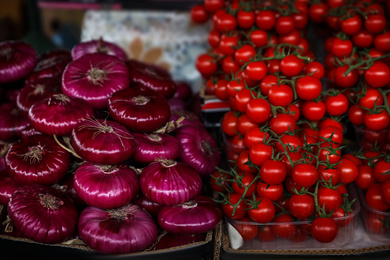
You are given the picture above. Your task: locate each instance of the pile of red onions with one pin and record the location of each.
(102, 148)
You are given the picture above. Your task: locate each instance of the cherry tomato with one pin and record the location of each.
(385, 187)
(206, 65)
(330, 122)
(377, 121)
(301, 206)
(255, 135)
(213, 5)
(273, 172)
(230, 66)
(245, 19)
(293, 38)
(351, 25)
(284, 25)
(346, 81)
(380, 171)
(341, 48)
(330, 134)
(374, 198)
(273, 192)
(258, 110)
(356, 115)
(265, 233)
(304, 174)
(235, 208)
(256, 70)
(265, 20)
(220, 90)
(244, 54)
(281, 95)
(267, 83)
(242, 98)
(318, 12)
(308, 87)
(291, 143)
(242, 162)
(259, 153)
(348, 171)
(363, 39)
(199, 14)
(291, 65)
(336, 105)
(371, 97)
(228, 45)
(246, 228)
(226, 23)
(229, 123)
(365, 177)
(324, 230)
(327, 174)
(315, 69)
(284, 226)
(342, 219)
(313, 111)
(328, 198)
(382, 41)
(244, 184)
(282, 123)
(375, 23)
(263, 212)
(245, 124)
(376, 223)
(214, 38)
(234, 86)
(259, 38)
(378, 75)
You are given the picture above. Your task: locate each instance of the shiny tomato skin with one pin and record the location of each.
(324, 230)
(239, 212)
(246, 228)
(308, 87)
(301, 206)
(264, 212)
(374, 198)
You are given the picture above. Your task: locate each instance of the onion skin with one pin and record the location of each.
(99, 46)
(183, 91)
(7, 187)
(190, 118)
(198, 149)
(38, 159)
(197, 216)
(149, 147)
(170, 182)
(151, 76)
(102, 141)
(124, 230)
(152, 207)
(59, 114)
(12, 122)
(105, 187)
(36, 91)
(17, 60)
(94, 78)
(139, 108)
(50, 64)
(42, 213)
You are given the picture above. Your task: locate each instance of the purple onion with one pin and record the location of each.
(98, 46)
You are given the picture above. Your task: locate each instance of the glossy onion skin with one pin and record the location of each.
(105, 188)
(59, 114)
(198, 149)
(94, 78)
(17, 60)
(52, 165)
(99, 46)
(50, 64)
(38, 222)
(7, 187)
(170, 185)
(139, 108)
(12, 122)
(36, 91)
(152, 207)
(197, 216)
(151, 76)
(104, 233)
(149, 147)
(102, 141)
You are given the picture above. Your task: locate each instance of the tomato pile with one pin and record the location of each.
(289, 112)
(101, 148)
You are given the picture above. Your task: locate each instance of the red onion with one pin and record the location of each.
(66, 184)
(102, 141)
(17, 60)
(59, 114)
(169, 240)
(7, 187)
(99, 46)
(149, 147)
(198, 149)
(193, 217)
(170, 182)
(29, 131)
(176, 104)
(38, 159)
(42, 213)
(190, 118)
(124, 230)
(50, 64)
(139, 108)
(183, 90)
(36, 91)
(152, 207)
(106, 186)
(95, 77)
(151, 76)
(12, 122)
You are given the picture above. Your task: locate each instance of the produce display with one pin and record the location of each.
(290, 168)
(101, 148)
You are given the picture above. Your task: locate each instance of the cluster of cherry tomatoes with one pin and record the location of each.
(357, 63)
(283, 134)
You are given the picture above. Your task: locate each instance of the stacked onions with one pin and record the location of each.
(103, 149)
